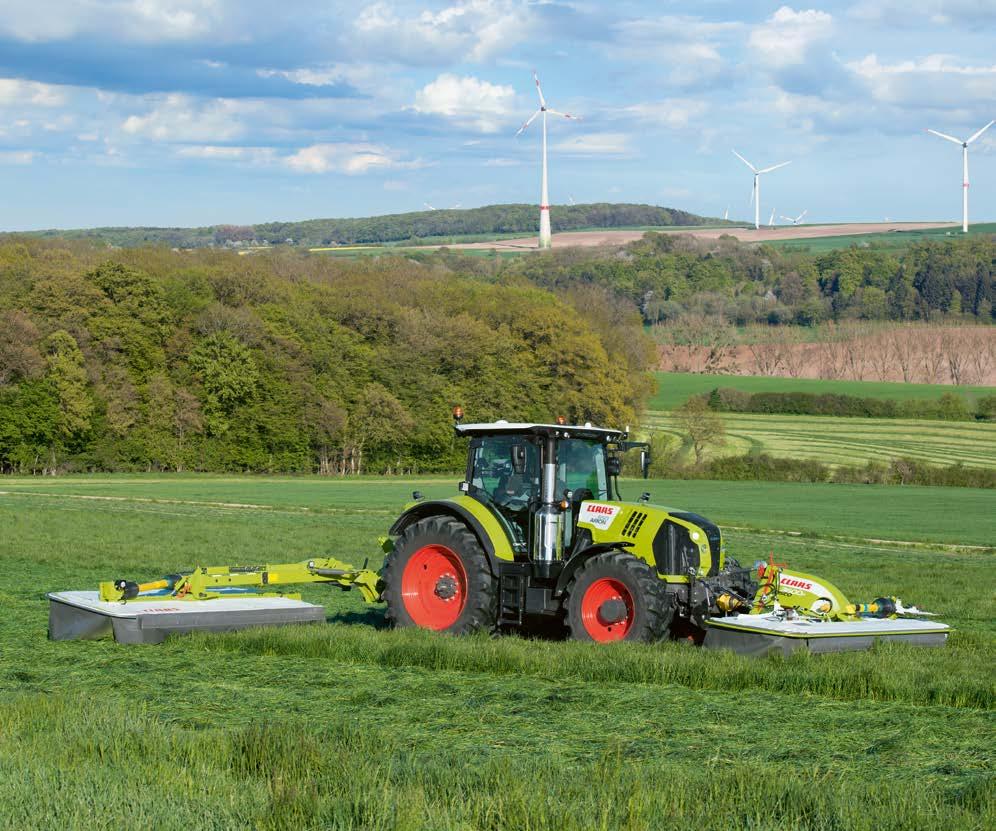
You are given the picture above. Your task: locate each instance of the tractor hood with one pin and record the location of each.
(672, 540)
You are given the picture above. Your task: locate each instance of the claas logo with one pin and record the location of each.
(796, 583)
(601, 509)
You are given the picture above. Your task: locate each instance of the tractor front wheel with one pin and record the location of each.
(438, 577)
(616, 597)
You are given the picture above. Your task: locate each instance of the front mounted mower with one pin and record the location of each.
(538, 538)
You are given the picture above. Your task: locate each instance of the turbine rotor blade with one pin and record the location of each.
(565, 115)
(976, 135)
(531, 119)
(773, 167)
(539, 90)
(735, 153)
(945, 136)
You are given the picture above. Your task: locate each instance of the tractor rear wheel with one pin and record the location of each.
(616, 597)
(438, 577)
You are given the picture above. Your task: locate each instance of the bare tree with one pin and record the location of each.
(982, 353)
(931, 356)
(704, 427)
(905, 347)
(953, 345)
(881, 354)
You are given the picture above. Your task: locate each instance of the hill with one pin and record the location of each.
(437, 225)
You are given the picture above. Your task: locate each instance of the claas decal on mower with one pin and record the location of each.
(601, 516)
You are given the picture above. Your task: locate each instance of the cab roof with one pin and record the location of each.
(562, 431)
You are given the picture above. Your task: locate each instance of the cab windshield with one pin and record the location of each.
(580, 469)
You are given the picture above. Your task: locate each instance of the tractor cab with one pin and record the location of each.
(505, 472)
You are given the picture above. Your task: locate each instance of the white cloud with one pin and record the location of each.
(14, 91)
(213, 152)
(466, 100)
(471, 30)
(181, 118)
(965, 13)
(345, 157)
(693, 55)
(135, 20)
(672, 113)
(785, 38)
(597, 144)
(499, 162)
(936, 82)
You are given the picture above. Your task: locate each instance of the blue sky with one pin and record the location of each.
(190, 112)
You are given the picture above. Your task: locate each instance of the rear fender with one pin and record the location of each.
(477, 517)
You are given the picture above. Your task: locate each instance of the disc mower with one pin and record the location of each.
(538, 537)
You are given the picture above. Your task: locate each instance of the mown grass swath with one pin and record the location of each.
(675, 388)
(351, 725)
(849, 441)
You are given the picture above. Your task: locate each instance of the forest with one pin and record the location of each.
(150, 359)
(406, 227)
(670, 276)
(158, 359)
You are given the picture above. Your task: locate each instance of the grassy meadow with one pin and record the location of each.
(848, 441)
(892, 240)
(675, 388)
(351, 725)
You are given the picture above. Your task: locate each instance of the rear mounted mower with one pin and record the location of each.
(538, 537)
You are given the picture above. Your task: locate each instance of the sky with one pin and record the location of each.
(199, 112)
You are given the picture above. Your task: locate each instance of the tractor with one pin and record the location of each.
(539, 538)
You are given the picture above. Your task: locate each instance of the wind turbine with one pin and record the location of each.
(964, 162)
(428, 206)
(798, 219)
(544, 232)
(755, 194)
(771, 219)
(726, 215)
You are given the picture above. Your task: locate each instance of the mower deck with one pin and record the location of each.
(773, 634)
(82, 615)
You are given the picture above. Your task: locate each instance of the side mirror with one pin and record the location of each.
(518, 458)
(613, 466)
(645, 462)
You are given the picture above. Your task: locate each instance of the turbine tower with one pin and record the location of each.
(544, 232)
(755, 194)
(964, 164)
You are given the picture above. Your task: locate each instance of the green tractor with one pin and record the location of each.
(539, 538)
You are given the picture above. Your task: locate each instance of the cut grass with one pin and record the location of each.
(675, 388)
(848, 441)
(351, 725)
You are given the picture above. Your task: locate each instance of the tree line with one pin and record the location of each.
(673, 276)
(405, 227)
(151, 359)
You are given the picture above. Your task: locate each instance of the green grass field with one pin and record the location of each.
(895, 240)
(675, 388)
(848, 441)
(351, 725)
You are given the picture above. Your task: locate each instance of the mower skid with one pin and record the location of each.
(771, 634)
(82, 615)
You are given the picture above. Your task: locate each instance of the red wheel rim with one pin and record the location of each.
(434, 587)
(598, 627)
